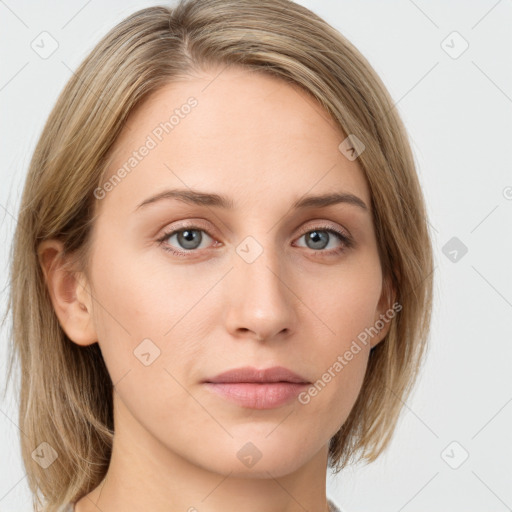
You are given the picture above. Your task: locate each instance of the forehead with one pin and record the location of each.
(247, 134)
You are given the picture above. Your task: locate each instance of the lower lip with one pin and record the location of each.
(257, 396)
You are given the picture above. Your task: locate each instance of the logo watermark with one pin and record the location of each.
(152, 140)
(342, 360)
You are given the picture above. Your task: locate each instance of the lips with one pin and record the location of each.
(251, 388)
(250, 374)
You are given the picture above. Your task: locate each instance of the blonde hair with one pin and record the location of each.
(66, 391)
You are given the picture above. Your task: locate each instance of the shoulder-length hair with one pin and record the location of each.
(65, 389)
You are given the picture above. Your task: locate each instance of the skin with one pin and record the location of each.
(264, 144)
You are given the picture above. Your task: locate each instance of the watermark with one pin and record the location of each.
(454, 455)
(351, 147)
(454, 44)
(45, 455)
(152, 140)
(146, 352)
(44, 45)
(342, 360)
(249, 454)
(454, 249)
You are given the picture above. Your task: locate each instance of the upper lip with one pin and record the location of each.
(251, 374)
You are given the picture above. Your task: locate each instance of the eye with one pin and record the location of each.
(189, 239)
(319, 238)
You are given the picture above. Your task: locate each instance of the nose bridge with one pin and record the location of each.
(260, 300)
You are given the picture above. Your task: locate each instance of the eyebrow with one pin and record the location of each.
(196, 197)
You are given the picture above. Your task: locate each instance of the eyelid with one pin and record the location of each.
(322, 224)
(186, 224)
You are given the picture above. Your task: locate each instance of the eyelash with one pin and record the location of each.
(346, 241)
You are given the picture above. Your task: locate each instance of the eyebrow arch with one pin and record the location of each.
(196, 197)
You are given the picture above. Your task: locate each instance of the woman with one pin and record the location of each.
(221, 278)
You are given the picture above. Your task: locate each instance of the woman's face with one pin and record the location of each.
(255, 281)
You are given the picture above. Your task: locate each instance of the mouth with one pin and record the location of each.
(257, 389)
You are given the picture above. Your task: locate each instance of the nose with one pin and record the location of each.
(260, 298)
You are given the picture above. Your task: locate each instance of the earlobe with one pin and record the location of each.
(69, 293)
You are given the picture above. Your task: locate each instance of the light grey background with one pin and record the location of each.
(458, 111)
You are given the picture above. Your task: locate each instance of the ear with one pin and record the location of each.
(385, 304)
(69, 292)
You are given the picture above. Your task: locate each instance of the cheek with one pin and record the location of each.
(342, 343)
(341, 368)
(347, 306)
(142, 308)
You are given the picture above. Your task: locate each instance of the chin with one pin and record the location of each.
(259, 458)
